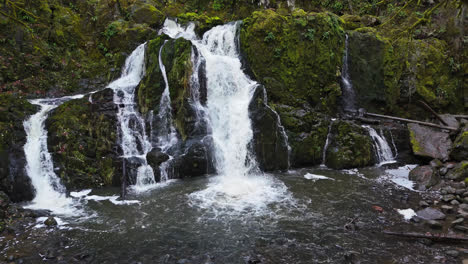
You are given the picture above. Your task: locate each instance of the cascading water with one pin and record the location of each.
(349, 96)
(50, 194)
(327, 142)
(383, 149)
(167, 134)
(239, 185)
(134, 142)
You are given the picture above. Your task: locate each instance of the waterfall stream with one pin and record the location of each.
(50, 194)
(327, 142)
(134, 141)
(239, 185)
(382, 148)
(349, 95)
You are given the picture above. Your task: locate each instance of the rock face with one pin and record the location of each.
(350, 146)
(424, 177)
(459, 149)
(13, 178)
(83, 141)
(429, 143)
(269, 140)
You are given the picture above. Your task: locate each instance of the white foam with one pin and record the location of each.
(315, 177)
(399, 176)
(407, 213)
(80, 193)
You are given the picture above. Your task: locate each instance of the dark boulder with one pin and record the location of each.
(270, 143)
(196, 160)
(459, 172)
(429, 143)
(424, 177)
(459, 149)
(155, 157)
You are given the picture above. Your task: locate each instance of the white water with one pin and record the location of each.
(167, 134)
(348, 91)
(400, 176)
(240, 185)
(327, 142)
(49, 192)
(134, 141)
(316, 177)
(383, 149)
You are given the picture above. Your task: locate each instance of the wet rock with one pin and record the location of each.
(459, 192)
(465, 194)
(452, 253)
(351, 257)
(50, 221)
(463, 207)
(423, 204)
(269, 140)
(457, 221)
(434, 224)
(461, 228)
(430, 214)
(443, 171)
(424, 177)
(449, 190)
(430, 143)
(447, 209)
(454, 202)
(435, 163)
(459, 172)
(155, 157)
(447, 198)
(148, 14)
(459, 150)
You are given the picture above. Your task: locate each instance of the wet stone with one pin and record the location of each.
(454, 202)
(457, 221)
(450, 189)
(430, 214)
(460, 191)
(443, 171)
(464, 207)
(50, 221)
(452, 253)
(423, 204)
(447, 209)
(465, 199)
(447, 198)
(465, 194)
(461, 228)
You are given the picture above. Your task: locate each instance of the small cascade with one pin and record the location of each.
(50, 194)
(239, 184)
(327, 142)
(167, 134)
(134, 141)
(383, 149)
(349, 95)
(197, 100)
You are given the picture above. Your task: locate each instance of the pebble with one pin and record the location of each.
(423, 204)
(447, 198)
(443, 171)
(450, 189)
(465, 200)
(450, 165)
(460, 192)
(465, 194)
(452, 253)
(457, 221)
(463, 207)
(454, 202)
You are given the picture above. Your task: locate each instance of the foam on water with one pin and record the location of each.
(399, 176)
(315, 177)
(407, 213)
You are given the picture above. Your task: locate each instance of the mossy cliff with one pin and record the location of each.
(13, 178)
(83, 138)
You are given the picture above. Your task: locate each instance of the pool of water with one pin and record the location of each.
(338, 219)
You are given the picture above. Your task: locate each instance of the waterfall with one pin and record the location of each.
(167, 134)
(134, 141)
(50, 194)
(327, 142)
(382, 148)
(349, 96)
(239, 185)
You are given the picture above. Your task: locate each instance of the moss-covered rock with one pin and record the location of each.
(459, 172)
(296, 57)
(429, 143)
(350, 146)
(14, 181)
(83, 141)
(147, 14)
(459, 149)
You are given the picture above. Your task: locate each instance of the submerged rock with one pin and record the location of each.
(430, 143)
(50, 221)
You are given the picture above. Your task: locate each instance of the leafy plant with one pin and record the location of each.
(310, 34)
(218, 5)
(110, 31)
(270, 37)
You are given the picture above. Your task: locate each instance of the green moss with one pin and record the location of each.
(414, 143)
(294, 66)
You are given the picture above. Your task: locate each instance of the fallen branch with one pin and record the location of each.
(433, 112)
(411, 121)
(431, 236)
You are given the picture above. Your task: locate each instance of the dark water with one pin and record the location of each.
(327, 221)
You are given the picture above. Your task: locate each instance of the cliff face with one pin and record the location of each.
(398, 54)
